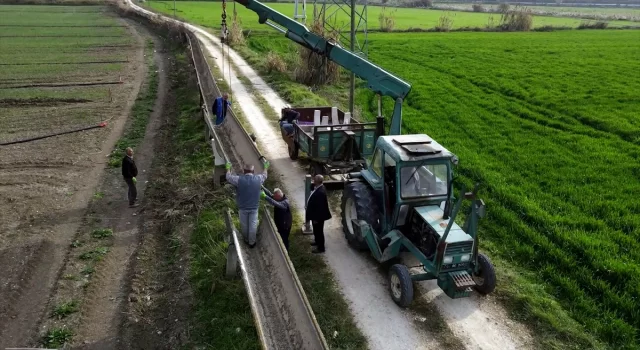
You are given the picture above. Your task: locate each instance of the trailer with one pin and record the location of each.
(335, 146)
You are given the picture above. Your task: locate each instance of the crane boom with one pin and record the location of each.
(379, 80)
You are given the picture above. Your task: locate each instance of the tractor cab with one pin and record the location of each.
(404, 202)
(409, 172)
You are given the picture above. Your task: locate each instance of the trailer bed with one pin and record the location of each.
(340, 147)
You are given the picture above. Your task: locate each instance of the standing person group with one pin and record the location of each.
(281, 213)
(220, 106)
(129, 173)
(317, 211)
(248, 192)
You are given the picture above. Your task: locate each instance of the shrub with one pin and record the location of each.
(236, 35)
(102, 233)
(593, 25)
(65, 309)
(517, 20)
(387, 21)
(311, 68)
(275, 63)
(491, 22)
(504, 7)
(419, 3)
(477, 8)
(57, 337)
(445, 23)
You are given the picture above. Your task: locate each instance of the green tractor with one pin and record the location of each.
(404, 201)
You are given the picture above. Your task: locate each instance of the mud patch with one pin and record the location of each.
(39, 102)
(37, 85)
(64, 63)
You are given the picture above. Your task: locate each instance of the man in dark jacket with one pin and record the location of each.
(317, 210)
(129, 172)
(281, 213)
(219, 108)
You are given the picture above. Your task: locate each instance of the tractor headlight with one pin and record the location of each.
(447, 260)
(465, 258)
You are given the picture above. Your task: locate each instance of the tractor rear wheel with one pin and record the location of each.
(358, 202)
(401, 285)
(485, 278)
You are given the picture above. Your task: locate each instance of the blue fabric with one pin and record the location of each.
(288, 127)
(217, 106)
(248, 225)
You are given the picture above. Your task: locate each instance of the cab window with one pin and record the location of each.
(376, 163)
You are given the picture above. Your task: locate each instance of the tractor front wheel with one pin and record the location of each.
(485, 277)
(358, 202)
(401, 285)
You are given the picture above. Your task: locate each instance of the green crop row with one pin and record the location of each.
(548, 123)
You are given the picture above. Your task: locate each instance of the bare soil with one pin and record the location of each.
(45, 187)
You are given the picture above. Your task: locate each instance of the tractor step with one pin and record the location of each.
(462, 279)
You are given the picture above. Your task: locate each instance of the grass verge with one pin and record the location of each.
(143, 106)
(221, 316)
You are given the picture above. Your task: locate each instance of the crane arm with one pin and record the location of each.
(379, 80)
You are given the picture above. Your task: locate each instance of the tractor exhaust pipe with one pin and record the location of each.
(380, 125)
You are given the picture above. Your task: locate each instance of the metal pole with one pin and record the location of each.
(352, 85)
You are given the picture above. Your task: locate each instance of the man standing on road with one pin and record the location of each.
(318, 212)
(281, 213)
(248, 190)
(220, 106)
(129, 172)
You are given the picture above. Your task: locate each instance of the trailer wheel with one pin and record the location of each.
(485, 278)
(358, 202)
(293, 151)
(401, 285)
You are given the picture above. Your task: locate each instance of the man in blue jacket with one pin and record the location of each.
(220, 106)
(281, 213)
(248, 191)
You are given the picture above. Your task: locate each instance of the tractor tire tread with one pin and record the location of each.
(406, 285)
(366, 209)
(489, 275)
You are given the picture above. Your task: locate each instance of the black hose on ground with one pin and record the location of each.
(101, 125)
